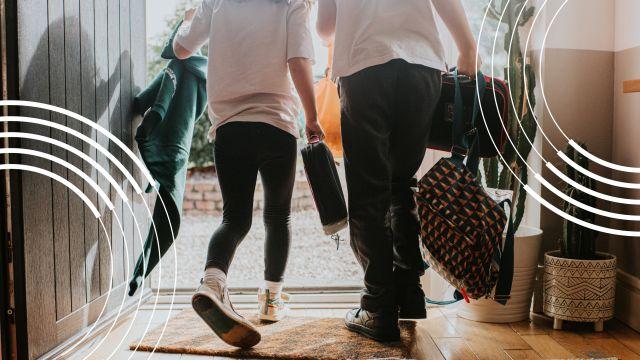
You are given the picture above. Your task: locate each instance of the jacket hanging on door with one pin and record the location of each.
(171, 105)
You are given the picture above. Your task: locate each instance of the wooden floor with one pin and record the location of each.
(442, 336)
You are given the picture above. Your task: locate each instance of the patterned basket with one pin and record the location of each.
(579, 290)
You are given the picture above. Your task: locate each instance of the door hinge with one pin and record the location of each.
(11, 315)
(9, 248)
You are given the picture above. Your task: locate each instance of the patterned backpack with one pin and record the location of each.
(461, 226)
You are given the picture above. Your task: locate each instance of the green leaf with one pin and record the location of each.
(491, 172)
(527, 15)
(201, 155)
(521, 201)
(492, 13)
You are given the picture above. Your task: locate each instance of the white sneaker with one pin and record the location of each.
(272, 306)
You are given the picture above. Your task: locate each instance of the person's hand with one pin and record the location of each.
(469, 63)
(314, 130)
(190, 14)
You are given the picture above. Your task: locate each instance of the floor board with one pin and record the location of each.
(442, 336)
(547, 347)
(455, 349)
(522, 354)
(626, 335)
(593, 345)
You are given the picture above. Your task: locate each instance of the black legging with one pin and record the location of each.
(242, 149)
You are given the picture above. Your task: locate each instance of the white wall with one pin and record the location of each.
(582, 24)
(627, 26)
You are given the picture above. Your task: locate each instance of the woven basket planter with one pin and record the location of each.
(579, 290)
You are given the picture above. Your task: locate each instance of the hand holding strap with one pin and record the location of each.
(461, 144)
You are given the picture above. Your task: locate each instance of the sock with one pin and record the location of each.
(273, 287)
(214, 277)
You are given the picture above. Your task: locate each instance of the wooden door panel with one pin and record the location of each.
(88, 57)
(88, 85)
(102, 116)
(73, 93)
(37, 192)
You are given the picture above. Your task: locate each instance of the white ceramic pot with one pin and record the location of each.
(527, 250)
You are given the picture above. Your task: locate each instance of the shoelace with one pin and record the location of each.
(224, 294)
(278, 301)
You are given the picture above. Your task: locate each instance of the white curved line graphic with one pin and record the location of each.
(71, 149)
(96, 187)
(603, 162)
(580, 222)
(173, 293)
(542, 50)
(603, 179)
(592, 157)
(57, 178)
(126, 174)
(535, 195)
(67, 165)
(591, 192)
(87, 122)
(88, 140)
(584, 206)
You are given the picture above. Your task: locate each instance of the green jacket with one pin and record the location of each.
(171, 105)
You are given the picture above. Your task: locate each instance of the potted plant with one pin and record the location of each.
(499, 177)
(579, 282)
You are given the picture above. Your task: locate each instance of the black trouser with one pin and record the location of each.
(386, 120)
(243, 149)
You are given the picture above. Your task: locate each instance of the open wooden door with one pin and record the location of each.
(87, 56)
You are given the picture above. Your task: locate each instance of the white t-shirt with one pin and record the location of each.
(374, 32)
(250, 42)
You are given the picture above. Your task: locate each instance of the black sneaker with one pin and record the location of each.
(377, 326)
(215, 308)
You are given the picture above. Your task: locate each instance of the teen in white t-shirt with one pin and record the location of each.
(373, 32)
(388, 59)
(254, 45)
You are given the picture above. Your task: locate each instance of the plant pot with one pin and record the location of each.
(527, 250)
(579, 290)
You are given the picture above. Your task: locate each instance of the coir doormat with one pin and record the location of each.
(295, 338)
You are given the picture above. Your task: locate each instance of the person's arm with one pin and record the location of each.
(454, 17)
(326, 24)
(178, 49)
(302, 76)
(194, 32)
(300, 57)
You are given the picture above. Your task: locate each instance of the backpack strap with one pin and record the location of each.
(505, 277)
(457, 296)
(461, 137)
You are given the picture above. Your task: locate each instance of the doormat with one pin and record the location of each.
(295, 338)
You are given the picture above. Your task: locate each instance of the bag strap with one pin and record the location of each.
(457, 296)
(473, 159)
(505, 277)
(461, 143)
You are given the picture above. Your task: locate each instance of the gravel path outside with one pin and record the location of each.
(313, 260)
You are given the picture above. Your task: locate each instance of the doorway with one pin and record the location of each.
(316, 261)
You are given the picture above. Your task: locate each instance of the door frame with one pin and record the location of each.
(12, 297)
